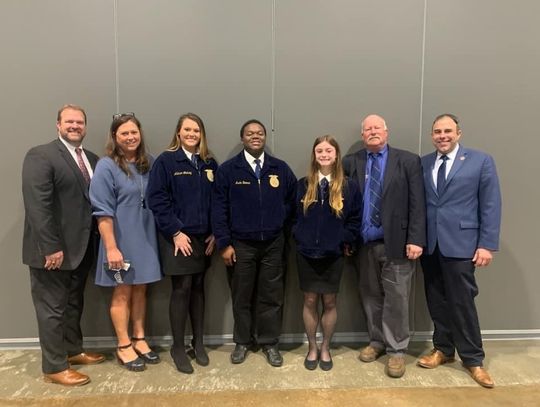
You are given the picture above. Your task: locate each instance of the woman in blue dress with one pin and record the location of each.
(128, 255)
(327, 227)
(179, 193)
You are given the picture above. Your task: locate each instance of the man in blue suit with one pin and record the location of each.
(463, 203)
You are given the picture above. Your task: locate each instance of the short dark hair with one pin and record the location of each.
(252, 121)
(71, 107)
(442, 116)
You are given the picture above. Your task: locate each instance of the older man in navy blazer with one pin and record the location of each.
(463, 203)
(393, 235)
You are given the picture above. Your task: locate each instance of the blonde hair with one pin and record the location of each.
(176, 144)
(336, 185)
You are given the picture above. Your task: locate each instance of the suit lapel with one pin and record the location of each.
(391, 165)
(456, 166)
(68, 158)
(428, 180)
(361, 159)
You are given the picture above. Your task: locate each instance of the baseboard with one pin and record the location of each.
(340, 337)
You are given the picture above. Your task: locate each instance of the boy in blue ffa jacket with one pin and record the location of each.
(253, 200)
(327, 226)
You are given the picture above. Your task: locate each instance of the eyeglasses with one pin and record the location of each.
(118, 115)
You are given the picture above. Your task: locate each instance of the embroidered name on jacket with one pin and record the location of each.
(242, 183)
(183, 173)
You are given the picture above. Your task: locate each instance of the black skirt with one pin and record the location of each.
(173, 265)
(321, 275)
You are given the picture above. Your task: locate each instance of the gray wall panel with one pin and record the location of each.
(483, 64)
(52, 53)
(314, 67)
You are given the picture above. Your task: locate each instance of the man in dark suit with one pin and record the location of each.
(59, 244)
(463, 203)
(393, 234)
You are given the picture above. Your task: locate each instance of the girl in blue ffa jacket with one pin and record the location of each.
(179, 192)
(327, 226)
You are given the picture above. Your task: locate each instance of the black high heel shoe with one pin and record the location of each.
(136, 365)
(151, 357)
(201, 357)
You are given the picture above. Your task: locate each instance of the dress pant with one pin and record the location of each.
(450, 288)
(385, 285)
(257, 290)
(58, 301)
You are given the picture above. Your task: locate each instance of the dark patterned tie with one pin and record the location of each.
(441, 175)
(375, 190)
(324, 188)
(195, 160)
(257, 168)
(82, 166)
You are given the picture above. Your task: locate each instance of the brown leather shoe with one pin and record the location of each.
(370, 354)
(395, 366)
(434, 359)
(86, 358)
(68, 377)
(481, 376)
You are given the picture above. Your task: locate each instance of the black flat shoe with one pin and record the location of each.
(200, 355)
(136, 365)
(181, 361)
(151, 357)
(326, 365)
(311, 364)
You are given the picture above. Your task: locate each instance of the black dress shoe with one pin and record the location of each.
(181, 361)
(200, 355)
(273, 356)
(311, 364)
(238, 355)
(151, 357)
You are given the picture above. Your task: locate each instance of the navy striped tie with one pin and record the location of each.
(375, 190)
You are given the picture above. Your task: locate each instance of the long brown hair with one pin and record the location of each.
(117, 155)
(336, 185)
(176, 144)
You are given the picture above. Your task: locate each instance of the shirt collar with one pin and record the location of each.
(328, 177)
(451, 155)
(188, 154)
(250, 159)
(71, 148)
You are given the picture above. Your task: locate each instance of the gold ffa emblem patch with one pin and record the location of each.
(210, 175)
(274, 181)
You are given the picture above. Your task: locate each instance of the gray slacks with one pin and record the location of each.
(384, 286)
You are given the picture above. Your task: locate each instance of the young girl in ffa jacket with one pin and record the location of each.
(179, 194)
(327, 226)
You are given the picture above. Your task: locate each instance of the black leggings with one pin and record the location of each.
(187, 295)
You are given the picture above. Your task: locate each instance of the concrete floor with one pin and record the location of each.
(511, 363)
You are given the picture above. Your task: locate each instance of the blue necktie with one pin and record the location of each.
(195, 160)
(258, 168)
(323, 185)
(375, 190)
(441, 175)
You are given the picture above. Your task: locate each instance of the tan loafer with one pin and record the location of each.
(395, 366)
(370, 354)
(481, 376)
(86, 358)
(434, 359)
(68, 377)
